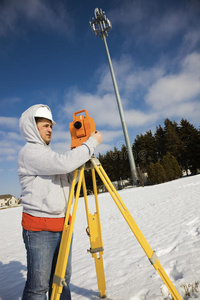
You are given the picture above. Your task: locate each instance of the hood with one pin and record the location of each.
(28, 127)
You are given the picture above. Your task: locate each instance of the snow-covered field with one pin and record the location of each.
(167, 214)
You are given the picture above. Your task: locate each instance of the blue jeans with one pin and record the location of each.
(42, 250)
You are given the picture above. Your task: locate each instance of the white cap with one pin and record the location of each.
(45, 112)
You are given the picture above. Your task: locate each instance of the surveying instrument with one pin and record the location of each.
(80, 129)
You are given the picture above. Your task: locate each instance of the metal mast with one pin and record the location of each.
(100, 26)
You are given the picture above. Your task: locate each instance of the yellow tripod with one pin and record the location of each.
(94, 231)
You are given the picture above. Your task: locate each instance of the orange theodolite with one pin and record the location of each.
(80, 128)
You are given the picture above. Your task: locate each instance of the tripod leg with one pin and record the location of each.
(94, 232)
(135, 229)
(59, 276)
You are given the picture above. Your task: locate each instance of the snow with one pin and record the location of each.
(167, 214)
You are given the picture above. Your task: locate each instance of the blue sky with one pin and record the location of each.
(49, 55)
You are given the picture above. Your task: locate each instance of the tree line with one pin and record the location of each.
(163, 155)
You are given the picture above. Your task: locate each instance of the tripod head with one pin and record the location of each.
(80, 128)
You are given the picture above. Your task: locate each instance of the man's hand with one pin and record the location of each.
(97, 135)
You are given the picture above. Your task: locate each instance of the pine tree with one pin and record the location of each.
(156, 173)
(183, 142)
(160, 142)
(160, 173)
(172, 140)
(166, 163)
(109, 162)
(177, 172)
(151, 174)
(190, 147)
(171, 167)
(124, 163)
(145, 150)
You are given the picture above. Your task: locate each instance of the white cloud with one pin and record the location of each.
(136, 118)
(14, 136)
(157, 22)
(174, 89)
(61, 147)
(191, 38)
(102, 105)
(102, 109)
(103, 148)
(7, 151)
(109, 135)
(130, 77)
(59, 135)
(11, 158)
(10, 100)
(9, 146)
(187, 110)
(149, 95)
(9, 122)
(168, 24)
(35, 13)
(191, 65)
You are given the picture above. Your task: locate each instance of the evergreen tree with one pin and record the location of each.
(190, 147)
(177, 172)
(160, 172)
(151, 173)
(183, 142)
(124, 163)
(115, 163)
(156, 173)
(171, 167)
(144, 147)
(160, 142)
(172, 140)
(108, 163)
(89, 184)
(166, 163)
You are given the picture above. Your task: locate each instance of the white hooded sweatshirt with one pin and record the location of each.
(45, 176)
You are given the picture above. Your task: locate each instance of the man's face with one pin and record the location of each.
(45, 129)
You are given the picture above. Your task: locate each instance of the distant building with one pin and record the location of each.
(8, 200)
(118, 185)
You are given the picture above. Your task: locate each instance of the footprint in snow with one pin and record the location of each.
(175, 273)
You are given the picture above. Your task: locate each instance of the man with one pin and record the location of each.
(45, 177)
